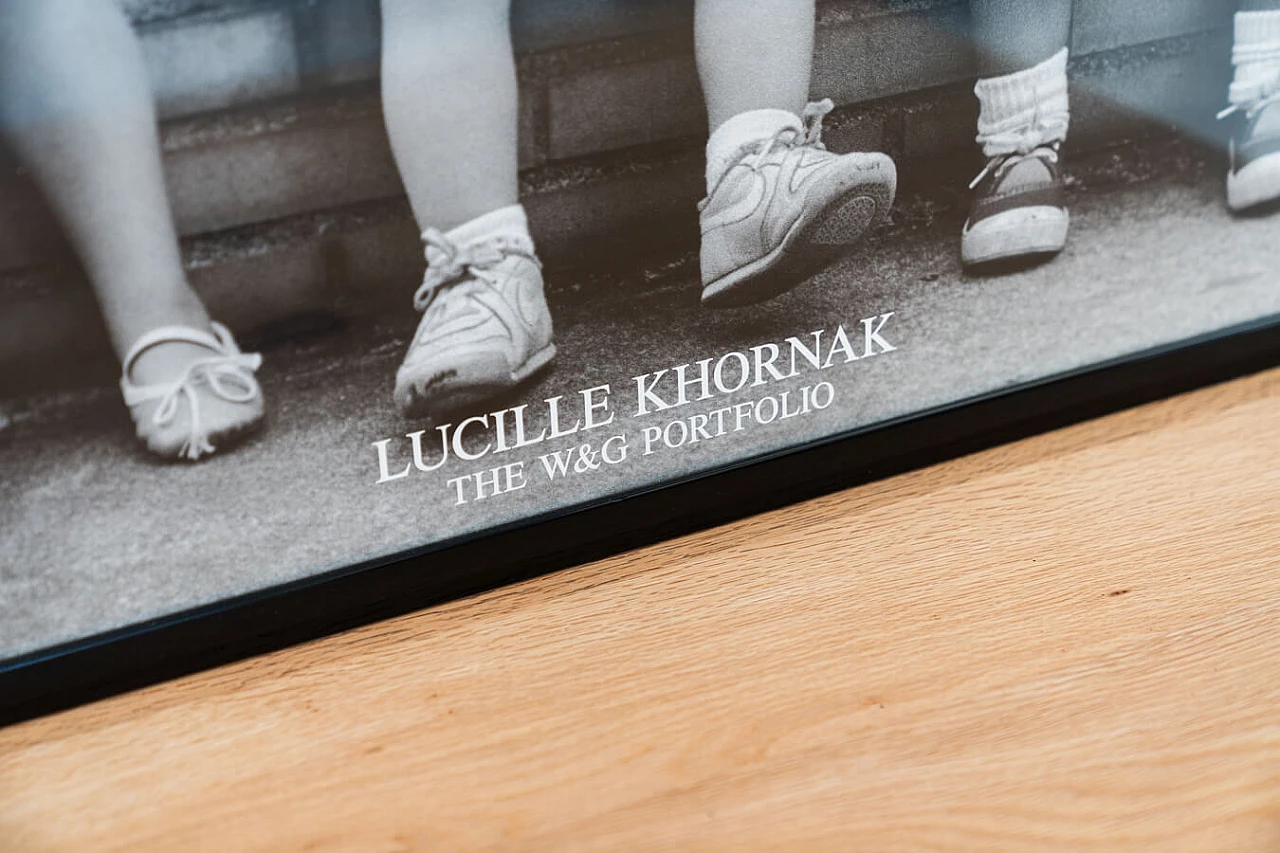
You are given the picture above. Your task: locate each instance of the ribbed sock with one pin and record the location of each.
(508, 221)
(740, 132)
(1024, 110)
(1255, 55)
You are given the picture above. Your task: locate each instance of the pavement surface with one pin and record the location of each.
(95, 535)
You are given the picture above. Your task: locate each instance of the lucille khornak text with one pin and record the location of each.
(664, 410)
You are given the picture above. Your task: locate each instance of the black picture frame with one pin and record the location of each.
(268, 620)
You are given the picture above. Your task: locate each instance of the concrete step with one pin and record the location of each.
(267, 151)
(214, 54)
(292, 209)
(274, 140)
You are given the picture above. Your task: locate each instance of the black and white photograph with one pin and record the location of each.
(289, 286)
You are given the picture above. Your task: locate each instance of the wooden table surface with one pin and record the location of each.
(1069, 643)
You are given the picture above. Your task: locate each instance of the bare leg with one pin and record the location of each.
(450, 98)
(754, 54)
(76, 106)
(449, 94)
(1015, 34)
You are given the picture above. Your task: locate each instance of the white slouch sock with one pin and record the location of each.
(1024, 110)
(1255, 55)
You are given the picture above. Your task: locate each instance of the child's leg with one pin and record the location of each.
(755, 59)
(1018, 207)
(76, 107)
(1013, 35)
(754, 55)
(1254, 95)
(449, 95)
(75, 104)
(1022, 45)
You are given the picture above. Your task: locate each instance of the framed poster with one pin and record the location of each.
(684, 261)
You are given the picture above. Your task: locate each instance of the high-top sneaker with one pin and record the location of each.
(1254, 178)
(1018, 209)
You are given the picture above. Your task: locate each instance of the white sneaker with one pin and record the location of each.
(485, 324)
(1254, 178)
(785, 209)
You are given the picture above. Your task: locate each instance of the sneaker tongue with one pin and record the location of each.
(435, 257)
(1032, 170)
(1268, 121)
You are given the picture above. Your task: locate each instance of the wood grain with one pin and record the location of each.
(1069, 643)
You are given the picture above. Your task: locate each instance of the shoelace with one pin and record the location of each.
(1267, 94)
(457, 263)
(753, 155)
(229, 377)
(1002, 164)
(789, 137)
(1039, 138)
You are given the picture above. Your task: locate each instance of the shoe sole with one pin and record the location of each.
(812, 244)
(223, 441)
(1016, 234)
(228, 439)
(1255, 184)
(432, 396)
